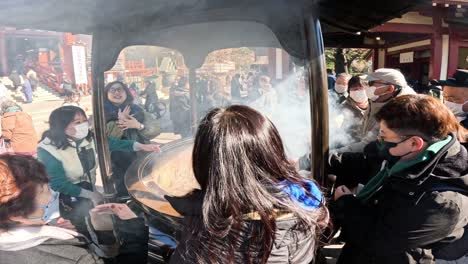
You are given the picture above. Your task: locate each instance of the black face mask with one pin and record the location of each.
(384, 151)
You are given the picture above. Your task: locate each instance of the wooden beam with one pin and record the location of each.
(404, 28)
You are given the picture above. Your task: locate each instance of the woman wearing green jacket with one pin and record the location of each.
(68, 152)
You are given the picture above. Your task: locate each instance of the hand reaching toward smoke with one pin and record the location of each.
(146, 147)
(122, 211)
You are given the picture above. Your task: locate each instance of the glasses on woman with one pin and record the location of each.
(114, 90)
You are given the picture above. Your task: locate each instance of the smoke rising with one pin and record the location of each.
(341, 123)
(290, 114)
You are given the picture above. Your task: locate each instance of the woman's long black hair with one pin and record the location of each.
(239, 160)
(59, 119)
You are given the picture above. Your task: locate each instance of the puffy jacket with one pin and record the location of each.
(416, 215)
(75, 248)
(17, 127)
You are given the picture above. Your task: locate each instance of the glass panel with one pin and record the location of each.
(170, 97)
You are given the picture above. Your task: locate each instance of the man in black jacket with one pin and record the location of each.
(415, 208)
(455, 91)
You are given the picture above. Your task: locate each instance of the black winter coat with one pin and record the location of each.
(415, 217)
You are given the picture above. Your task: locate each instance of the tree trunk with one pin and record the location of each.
(340, 61)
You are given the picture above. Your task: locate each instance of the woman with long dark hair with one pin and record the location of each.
(67, 150)
(253, 206)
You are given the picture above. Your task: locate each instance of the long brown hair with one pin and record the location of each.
(239, 160)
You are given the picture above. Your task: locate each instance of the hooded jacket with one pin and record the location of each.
(417, 215)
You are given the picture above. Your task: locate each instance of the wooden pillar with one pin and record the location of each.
(375, 59)
(286, 62)
(382, 55)
(436, 46)
(68, 56)
(272, 63)
(454, 46)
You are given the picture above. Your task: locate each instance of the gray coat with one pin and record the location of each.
(54, 251)
(79, 250)
(289, 246)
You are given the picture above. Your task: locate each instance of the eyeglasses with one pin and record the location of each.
(375, 83)
(114, 90)
(381, 139)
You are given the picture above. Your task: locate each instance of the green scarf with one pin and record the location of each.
(377, 181)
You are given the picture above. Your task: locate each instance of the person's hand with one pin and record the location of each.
(147, 147)
(97, 198)
(65, 223)
(125, 114)
(122, 211)
(128, 123)
(341, 191)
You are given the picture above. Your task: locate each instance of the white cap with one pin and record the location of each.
(391, 76)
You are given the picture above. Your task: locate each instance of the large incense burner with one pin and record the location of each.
(158, 174)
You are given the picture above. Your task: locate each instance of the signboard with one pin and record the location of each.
(407, 57)
(79, 64)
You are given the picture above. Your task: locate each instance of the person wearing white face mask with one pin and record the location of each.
(455, 92)
(355, 106)
(341, 87)
(385, 84)
(67, 150)
(31, 230)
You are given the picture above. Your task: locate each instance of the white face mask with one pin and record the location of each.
(339, 88)
(457, 110)
(82, 130)
(370, 92)
(358, 96)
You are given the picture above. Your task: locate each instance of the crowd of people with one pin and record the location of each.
(399, 190)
